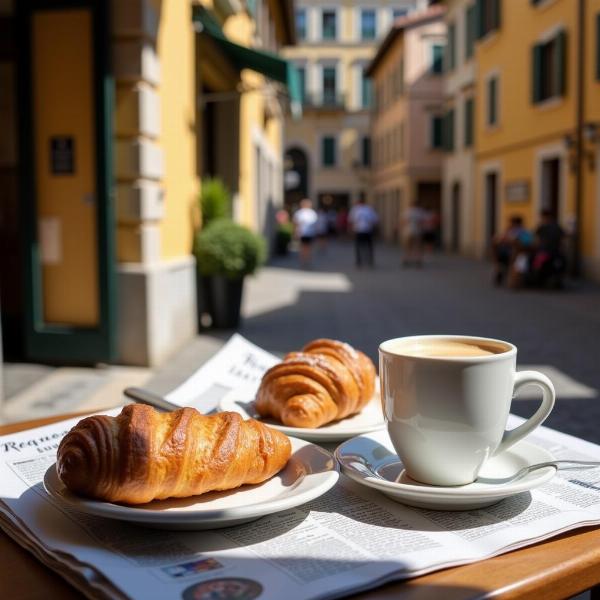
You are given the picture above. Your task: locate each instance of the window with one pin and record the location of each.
(469, 31)
(328, 151)
(487, 16)
(365, 151)
(448, 132)
(328, 24)
(437, 132)
(368, 24)
(548, 68)
(329, 85)
(302, 81)
(451, 47)
(301, 30)
(492, 101)
(365, 90)
(399, 12)
(469, 113)
(437, 59)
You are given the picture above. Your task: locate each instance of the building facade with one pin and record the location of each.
(537, 120)
(408, 117)
(459, 99)
(328, 151)
(113, 113)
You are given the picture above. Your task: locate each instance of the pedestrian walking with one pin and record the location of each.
(305, 224)
(413, 223)
(363, 219)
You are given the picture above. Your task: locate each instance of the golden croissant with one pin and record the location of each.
(143, 455)
(327, 381)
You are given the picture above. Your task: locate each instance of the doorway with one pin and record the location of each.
(550, 188)
(455, 202)
(491, 208)
(296, 173)
(65, 188)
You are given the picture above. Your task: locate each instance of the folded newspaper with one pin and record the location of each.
(350, 539)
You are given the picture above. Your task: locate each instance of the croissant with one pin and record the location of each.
(143, 455)
(327, 381)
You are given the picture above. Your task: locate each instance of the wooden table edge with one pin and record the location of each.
(555, 569)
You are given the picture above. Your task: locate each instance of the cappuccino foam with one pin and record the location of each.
(446, 348)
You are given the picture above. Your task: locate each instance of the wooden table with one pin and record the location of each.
(557, 569)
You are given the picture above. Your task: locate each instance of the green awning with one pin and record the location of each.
(267, 63)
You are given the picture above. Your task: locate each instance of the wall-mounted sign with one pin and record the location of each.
(62, 155)
(517, 191)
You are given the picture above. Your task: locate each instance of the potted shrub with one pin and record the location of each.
(215, 200)
(226, 252)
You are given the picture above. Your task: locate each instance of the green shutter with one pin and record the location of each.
(451, 130)
(492, 116)
(496, 13)
(560, 64)
(328, 152)
(536, 73)
(468, 138)
(451, 48)
(478, 18)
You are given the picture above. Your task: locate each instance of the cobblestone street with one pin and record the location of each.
(557, 332)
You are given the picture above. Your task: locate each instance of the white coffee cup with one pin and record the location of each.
(446, 415)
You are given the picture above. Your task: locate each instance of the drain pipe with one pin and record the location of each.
(576, 269)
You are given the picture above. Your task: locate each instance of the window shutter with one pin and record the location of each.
(468, 137)
(479, 19)
(536, 73)
(560, 64)
(497, 13)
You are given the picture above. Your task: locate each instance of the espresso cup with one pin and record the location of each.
(446, 401)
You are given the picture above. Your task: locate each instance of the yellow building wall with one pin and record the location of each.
(176, 51)
(525, 131)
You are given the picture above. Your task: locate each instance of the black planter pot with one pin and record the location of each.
(221, 298)
(282, 242)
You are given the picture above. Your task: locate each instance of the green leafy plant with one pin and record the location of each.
(215, 200)
(226, 248)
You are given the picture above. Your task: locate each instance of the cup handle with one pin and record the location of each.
(523, 378)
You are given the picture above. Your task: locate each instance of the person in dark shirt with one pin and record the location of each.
(549, 260)
(550, 234)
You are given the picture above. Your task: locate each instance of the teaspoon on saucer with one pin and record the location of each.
(577, 464)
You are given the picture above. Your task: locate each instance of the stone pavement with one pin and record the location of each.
(557, 332)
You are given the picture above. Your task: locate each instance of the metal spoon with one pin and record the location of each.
(142, 396)
(577, 464)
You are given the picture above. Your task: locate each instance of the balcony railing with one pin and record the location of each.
(325, 101)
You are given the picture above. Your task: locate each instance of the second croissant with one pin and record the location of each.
(327, 381)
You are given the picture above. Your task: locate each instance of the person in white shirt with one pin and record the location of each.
(305, 224)
(363, 219)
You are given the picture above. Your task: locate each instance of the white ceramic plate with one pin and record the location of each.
(372, 461)
(310, 472)
(370, 418)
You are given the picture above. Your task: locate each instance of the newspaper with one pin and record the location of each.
(350, 539)
(238, 364)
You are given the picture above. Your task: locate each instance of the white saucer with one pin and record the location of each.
(310, 472)
(372, 461)
(370, 418)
